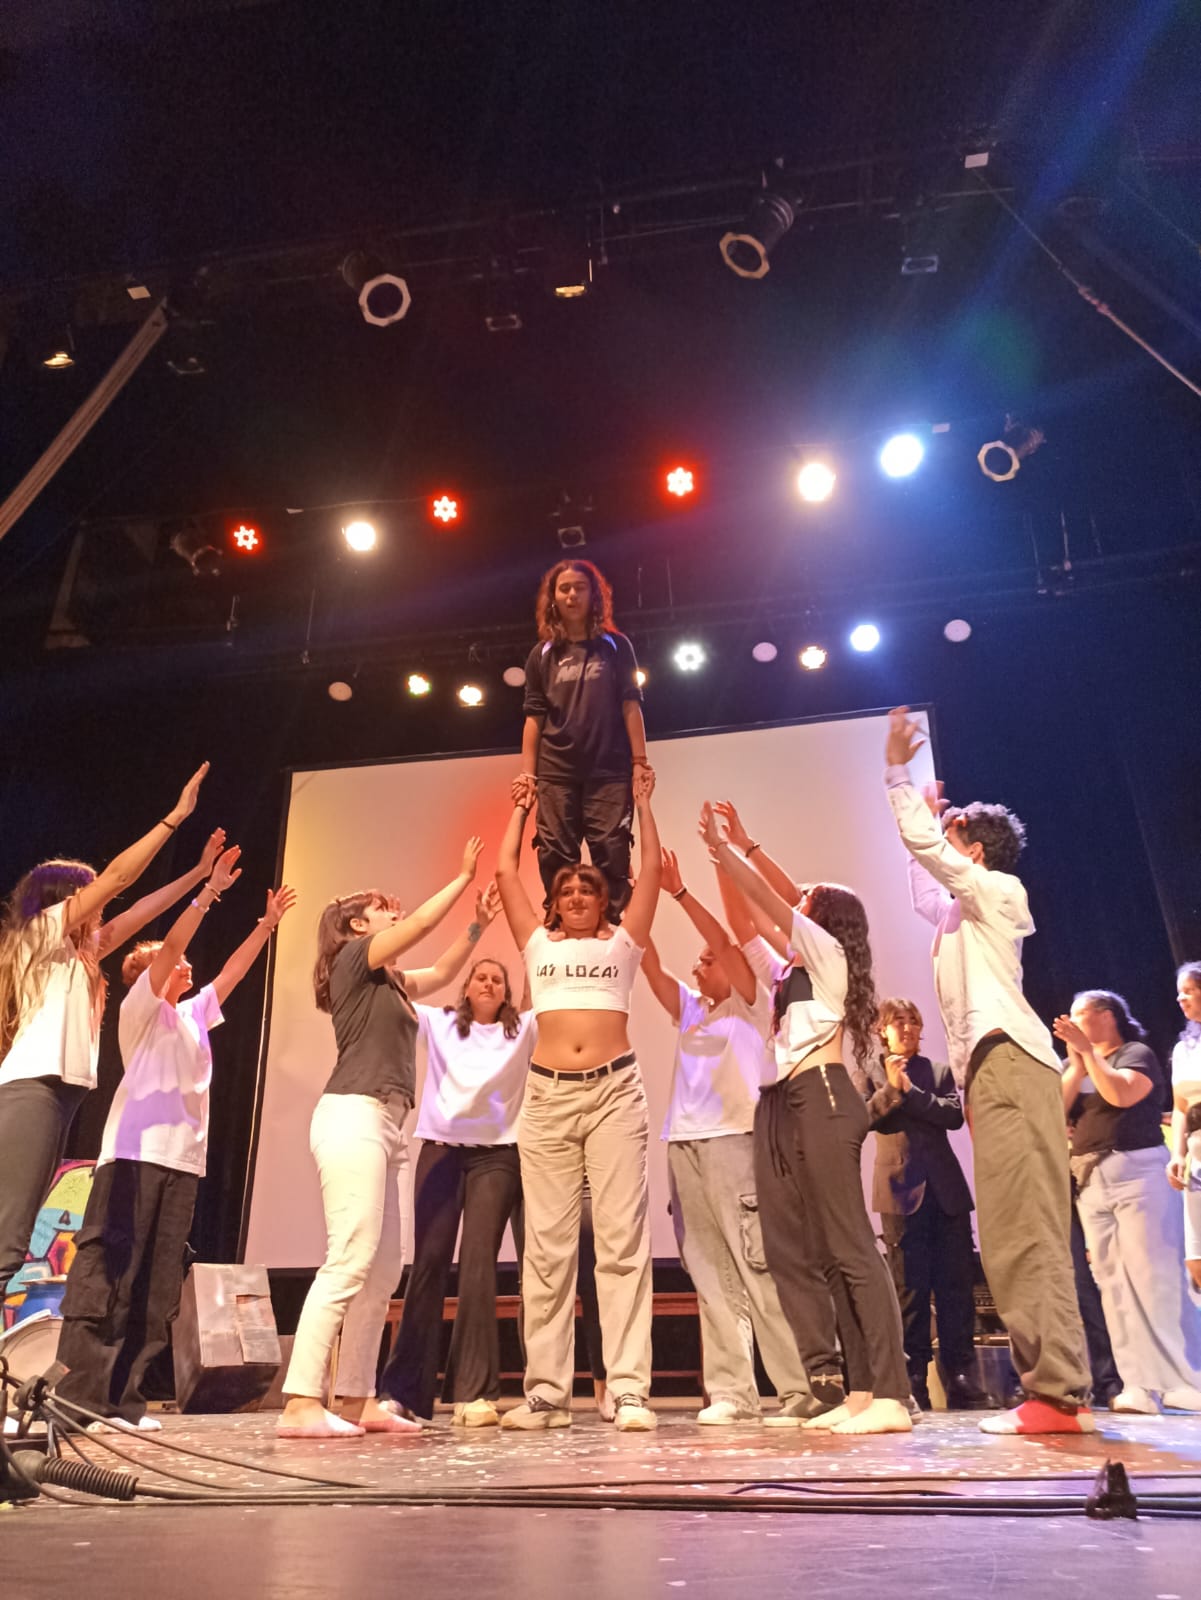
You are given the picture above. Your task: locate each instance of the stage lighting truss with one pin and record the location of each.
(383, 296)
(745, 252)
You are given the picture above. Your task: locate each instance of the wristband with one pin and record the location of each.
(196, 906)
(163, 823)
(680, 893)
(750, 849)
(641, 761)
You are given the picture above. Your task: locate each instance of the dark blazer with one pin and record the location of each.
(912, 1149)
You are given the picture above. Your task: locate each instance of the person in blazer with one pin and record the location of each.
(925, 1207)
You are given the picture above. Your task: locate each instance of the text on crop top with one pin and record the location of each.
(581, 974)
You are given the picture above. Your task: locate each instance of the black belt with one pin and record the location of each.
(616, 1065)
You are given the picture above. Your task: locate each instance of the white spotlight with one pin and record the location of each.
(865, 637)
(812, 657)
(360, 536)
(957, 630)
(471, 695)
(815, 482)
(689, 656)
(515, 677)
(765, 651)
(901, 455)
(340, 691)
(418, 684)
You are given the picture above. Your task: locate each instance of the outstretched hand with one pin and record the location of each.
(904, 739)
(189, 794)
(735, 831)
(708, 828)
(487, 905)
(226, 870)
(279, 902)
(671, 881)
(933, 796)
(471, 856)
(524, 789)
(212, 849)
(644, 783)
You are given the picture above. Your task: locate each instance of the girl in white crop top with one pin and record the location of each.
(584, 1115)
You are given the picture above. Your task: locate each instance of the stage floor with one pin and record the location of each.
(718, 1511)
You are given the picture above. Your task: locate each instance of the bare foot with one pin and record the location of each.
(380, 1416)
(306, 1418)
(858, 1400)
(881, 1416)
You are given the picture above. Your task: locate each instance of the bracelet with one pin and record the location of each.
(163, 823)
(196, 906)
(680, 893)
(641, 761)
(750, 849)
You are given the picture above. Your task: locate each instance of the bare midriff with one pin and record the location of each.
(825, 1055)
(574, 1041)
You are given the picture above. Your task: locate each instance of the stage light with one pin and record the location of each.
(471, 695)
(765, 651)
(340, 691)
(815, 482)
(193, 545)
(514, 677)
(384, 297)
(245, 539)
(360, 536)
(865, 637)
(681, 482)
(957, 631)
(444, 508)
(901, 455)
(418, 684)
(767, 221)
(640, 677)
(57, 351)
(813, 657)
(689, 656)
(1001, 459)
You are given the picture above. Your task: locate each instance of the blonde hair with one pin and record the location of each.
(138, 959)
(26, 942)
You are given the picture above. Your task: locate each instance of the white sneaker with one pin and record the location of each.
(149, 1424)
(1140, 1402)
(476, 1414)
(723, 1414)
(634, 1415)
(1183, 1398)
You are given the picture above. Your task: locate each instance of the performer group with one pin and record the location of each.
(533, 1110)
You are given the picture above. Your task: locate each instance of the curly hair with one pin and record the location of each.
(1001, 833)
(334, 932)
(600, 612)
(1190, 972)
(590, 875)
(840, 912)
(508, 1015)
(25, 943)
(1128, 1025)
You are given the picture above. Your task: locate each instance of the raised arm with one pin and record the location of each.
(428, 980)
(394, 941)
(130, 922)
(771, 871)
(640, 912)
(129, 866)
(664, 985)
(744, 877)
(733, 962)
(515, 902)
(1120, 1086)
(225, 872)
(279, 901)
(740, 916)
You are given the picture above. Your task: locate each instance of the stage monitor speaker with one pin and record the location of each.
(224, 1343)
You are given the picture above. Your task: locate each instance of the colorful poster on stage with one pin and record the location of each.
(39, 1284)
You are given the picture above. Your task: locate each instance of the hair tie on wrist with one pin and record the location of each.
(680, 893)
(163, 823)
(750, 849)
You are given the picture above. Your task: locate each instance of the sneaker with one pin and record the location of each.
(1139, 1402)
(476, 1414)
(634, 1415)
(1183, 1398)
(800, 1409)
(723, 1413)
(536, 1413)
(1036, 1415)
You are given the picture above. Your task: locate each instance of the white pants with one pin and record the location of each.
(359, 1146)
(1132, 1226)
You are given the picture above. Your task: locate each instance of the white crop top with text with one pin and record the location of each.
(581, 974)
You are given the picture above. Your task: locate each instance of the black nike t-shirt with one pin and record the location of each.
(578, 690)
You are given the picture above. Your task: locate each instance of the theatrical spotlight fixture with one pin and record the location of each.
(245, 539)
(340, 691)
(901, 455)
(470, 694)
(689, 656)
(1002, 458)
(812, 657)
(514, 677)
(865, 637)
(418, 684)
(384, 297)
(360, 536)
(957, 631)
(767, 221)
(764, 651)
(681, 481)
(815, 482)
(57, 352)
(191, 544)
(444, 508)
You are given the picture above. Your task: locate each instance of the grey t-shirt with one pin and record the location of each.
(375, 1027)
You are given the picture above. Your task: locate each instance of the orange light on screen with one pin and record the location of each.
(245, 539)
(681, 481)
(445, 508)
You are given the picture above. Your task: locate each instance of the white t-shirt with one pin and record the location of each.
(718, 1065)
(811, 994)
(474, 1086)
(160, 1111)
(581, 974)
(61, 1038)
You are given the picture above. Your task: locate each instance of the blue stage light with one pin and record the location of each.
(901, 455)
(865, 637)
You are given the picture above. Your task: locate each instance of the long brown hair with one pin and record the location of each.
(840, 912)
(334, 932)
(600, 612)
(590, 875)
(26, 942)
(507, 1015)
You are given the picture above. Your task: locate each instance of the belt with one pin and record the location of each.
(616, 1065)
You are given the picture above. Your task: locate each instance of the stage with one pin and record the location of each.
(717, 1511)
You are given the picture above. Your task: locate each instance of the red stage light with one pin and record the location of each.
(681, 481)
(444, 508)
(245, 539)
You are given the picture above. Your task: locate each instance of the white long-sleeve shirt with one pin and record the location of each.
(981, 918)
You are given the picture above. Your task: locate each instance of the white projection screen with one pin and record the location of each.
(812, 791)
